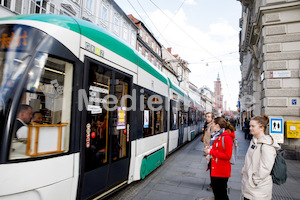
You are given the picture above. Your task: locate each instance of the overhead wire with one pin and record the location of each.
(171, 20)
(185, 32)
(213, 56)
(174, 16)
(151, 21)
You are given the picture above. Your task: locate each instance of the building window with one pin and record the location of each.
(152, 59)
(125, 32)
(147, 39)
(116, 25)
(89, 4)
(38, 7)
(18, 6)
(52, 8)
(146, 54)
(133, 38)
(104, 15)
(5, 3)
(152, 44)
(141, 49)
(141, 33)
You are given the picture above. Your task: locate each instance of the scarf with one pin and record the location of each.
(215, 135)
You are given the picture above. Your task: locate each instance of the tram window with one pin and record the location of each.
(120, 137)
(97, 118)
(173, 115)
(191, 116)
(153, 120)
(185, 118)
(48, 91)
(103, 118)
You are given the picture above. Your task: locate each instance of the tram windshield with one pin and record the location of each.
(16, 44)
(40, 86)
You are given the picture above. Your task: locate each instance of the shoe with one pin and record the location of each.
(209, 188)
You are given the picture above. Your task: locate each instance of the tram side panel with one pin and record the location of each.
(148, 150)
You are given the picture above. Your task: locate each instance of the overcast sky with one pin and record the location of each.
(205, 33)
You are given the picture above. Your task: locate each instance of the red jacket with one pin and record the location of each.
(220, 161)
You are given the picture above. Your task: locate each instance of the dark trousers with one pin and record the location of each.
(219, 186)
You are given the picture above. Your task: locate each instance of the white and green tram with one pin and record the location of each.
(106, 118)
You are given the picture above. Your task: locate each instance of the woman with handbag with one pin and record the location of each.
(257, 182)
(220, 165)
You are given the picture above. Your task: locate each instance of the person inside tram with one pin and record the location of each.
(101, 137)
(22, 121)
(37, 117)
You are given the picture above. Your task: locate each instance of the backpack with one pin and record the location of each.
(235, 148)
(279, 170)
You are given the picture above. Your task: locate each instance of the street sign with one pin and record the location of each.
(277, 129)
(280, 74)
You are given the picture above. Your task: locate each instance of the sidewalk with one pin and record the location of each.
(183, 176)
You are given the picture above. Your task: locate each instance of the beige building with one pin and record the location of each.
(269, 56)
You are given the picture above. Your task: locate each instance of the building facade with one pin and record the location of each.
(269, 56)
(170, 65)
(104, 13)
(207, 99)
(147, 45)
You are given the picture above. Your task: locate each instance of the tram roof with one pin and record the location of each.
(98, 35)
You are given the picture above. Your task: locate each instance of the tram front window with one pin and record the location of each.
(46, 94)
(12, 66)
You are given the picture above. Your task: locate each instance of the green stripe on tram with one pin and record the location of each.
(151, 162)
(95, 33)
(176, 88)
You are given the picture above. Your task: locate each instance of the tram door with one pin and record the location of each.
(106, 140)
(181, 123)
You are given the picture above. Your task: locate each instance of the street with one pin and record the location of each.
(183, 176)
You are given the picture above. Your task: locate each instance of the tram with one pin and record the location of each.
(109, 117)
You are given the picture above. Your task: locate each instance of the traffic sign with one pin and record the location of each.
(277, 129)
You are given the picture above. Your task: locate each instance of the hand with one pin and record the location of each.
(207, 158)
(207, 150)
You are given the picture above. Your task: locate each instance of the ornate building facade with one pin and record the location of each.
(269, 55)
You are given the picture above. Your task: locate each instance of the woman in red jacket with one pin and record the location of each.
(220, 165)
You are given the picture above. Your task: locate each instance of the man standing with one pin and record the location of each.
(207, 136)
(207, 129)
(23, 119)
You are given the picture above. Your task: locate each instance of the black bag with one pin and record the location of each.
(279, 170)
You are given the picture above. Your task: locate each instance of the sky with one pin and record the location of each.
(205, 33)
